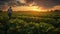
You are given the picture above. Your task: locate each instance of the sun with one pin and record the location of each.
(28, 8)
(35, 8)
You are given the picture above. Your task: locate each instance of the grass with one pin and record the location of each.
(30, 23)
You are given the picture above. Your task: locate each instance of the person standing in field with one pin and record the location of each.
(10, 12)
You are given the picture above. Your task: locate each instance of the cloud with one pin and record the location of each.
(44, 3)
(47, 4)
(56, 8)
(11, 2)
(6, 3)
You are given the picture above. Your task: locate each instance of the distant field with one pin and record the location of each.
(30, 23)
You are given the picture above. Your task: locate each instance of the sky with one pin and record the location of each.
(26, 5)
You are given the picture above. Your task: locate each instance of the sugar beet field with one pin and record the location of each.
(30, 23)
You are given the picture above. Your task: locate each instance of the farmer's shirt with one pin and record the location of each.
(9, 10)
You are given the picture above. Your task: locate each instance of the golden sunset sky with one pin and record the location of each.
(30, 5)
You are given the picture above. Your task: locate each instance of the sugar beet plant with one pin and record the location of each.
(24, 24)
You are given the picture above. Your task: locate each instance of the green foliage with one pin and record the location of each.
(22, 23)
(46, 27)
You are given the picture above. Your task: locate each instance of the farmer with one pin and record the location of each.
(9, 12)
